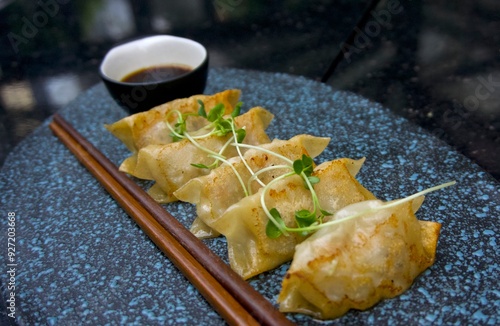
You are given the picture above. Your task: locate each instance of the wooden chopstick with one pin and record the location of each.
(213, 291)
(233, 298)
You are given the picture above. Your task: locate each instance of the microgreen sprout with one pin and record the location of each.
(218, 126)
(177, 132)
(306, 221)
(276, 227)
(303, 167)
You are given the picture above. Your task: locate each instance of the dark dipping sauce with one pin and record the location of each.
(156, 73)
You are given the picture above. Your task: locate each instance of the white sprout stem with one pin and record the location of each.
(170, 127)
(374, 209)
(175, 133)
(265, 150)
(303, 176)
(238, 149)
(313, 192)
(266, 169)
(206, 150)
(208, 134)
(180, 119)
(220, 155)
(226, 145)
(282, 229)
(242, 183)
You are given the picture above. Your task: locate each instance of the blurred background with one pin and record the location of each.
(434, 62)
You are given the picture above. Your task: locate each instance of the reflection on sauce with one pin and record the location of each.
(156, 73)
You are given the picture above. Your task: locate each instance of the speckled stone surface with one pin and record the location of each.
(81, 260)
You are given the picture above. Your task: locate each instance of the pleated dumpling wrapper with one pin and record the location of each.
(360, 261)
(250, 250)
(150, 127)
(169, 165)
(214, 193)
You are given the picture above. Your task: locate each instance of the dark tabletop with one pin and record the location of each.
(81, 261)
(433, 62)
(436, 63)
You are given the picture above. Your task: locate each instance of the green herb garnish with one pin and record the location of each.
(278, 228)
(218, 125)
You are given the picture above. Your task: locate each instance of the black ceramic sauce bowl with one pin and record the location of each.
(153, 51)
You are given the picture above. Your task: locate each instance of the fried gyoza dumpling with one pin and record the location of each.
(169, 165)
(150, 127)
(250, 250)
(357, 263)
(215, 192)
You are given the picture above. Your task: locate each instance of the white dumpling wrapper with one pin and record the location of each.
(214, 193)
(250, 250)
(357, 263)
(150, 127)
(169, 165)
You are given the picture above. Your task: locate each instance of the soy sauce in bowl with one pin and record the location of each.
(155, 62)
(157, 73)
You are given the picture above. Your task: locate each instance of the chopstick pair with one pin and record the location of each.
(232, 297)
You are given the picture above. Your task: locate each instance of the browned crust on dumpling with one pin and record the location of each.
(430, 235)
(345, 274)
(137, 130)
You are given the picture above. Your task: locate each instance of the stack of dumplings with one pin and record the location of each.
(348, 265)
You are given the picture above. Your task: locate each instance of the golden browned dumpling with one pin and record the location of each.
(150, 127)
(214, 193)
(250, 250)
(357, 263)
(170, 165)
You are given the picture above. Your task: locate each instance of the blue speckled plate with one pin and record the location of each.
(81, 260)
